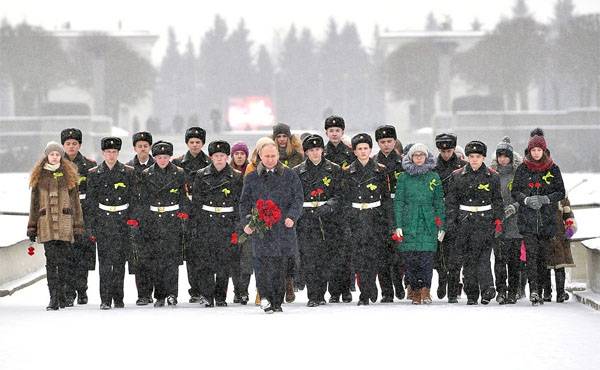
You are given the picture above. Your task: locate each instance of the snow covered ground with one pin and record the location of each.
(399, 335)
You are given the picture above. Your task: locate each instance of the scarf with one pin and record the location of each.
(51, 167)
(412, 169)
(542, 165)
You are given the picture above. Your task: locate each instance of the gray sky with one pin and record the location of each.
(193, 18)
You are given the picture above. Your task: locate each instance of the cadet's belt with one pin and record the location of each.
(172, 208)
(313, 204)
(393, 195)
(122, 207)
(362, 206)
(476, 209)
(217, 209)
(81, 196)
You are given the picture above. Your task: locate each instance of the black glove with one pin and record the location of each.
(323, 210)
(31, 235)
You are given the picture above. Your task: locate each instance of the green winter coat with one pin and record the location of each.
(418, 202)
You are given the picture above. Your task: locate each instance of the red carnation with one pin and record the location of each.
(397, 238)
(569, 223)
(263, 218)
(538, 185)
(234, 238)
(183, 215)
(438, 221)
(530, 185)
(498, 226)
(31, 250)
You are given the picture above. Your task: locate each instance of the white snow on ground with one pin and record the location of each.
(399, 335)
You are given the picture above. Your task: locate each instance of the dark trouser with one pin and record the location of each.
(454, 263)
(339, 264)
(419, 269)
(506, 265)
(241, 282)
(559, 277)
(442, 259)
(315, 272)
(477, 243)
(213, 286)
(78, 266)
(57, 253)
(111, 257)
(366, 279)
(166, 277)
(537, 249)
(391, 271)
(193, 274)
(144, 278)
(270, 274)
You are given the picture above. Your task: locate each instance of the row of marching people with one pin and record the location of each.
(393, 217)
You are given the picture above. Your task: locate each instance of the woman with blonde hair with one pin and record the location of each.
(55, 216)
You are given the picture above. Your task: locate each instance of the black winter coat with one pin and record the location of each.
(283, 187)
(547, 181)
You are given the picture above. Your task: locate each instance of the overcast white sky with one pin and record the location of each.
(193, 18)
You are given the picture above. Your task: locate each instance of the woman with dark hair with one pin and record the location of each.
(55, 216)
(538, 187)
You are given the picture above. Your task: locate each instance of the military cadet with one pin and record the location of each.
(140, 259)
(475, 210)
(340, 262)
(162, 210)
(191, 162)
(83, 257)
(217, 190)
(447, 264)
(321, 183)
(110, 192)
(367, 196)
(391, 271)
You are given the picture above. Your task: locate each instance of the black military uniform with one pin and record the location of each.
(369, 212)
(191, 165)
(446, 248)
(110, 192)
(83, 258)
(321, 184)
(162, 210)
(215, 218)
(391, 269)
(140, 260)
(341, 260)
(474, 206)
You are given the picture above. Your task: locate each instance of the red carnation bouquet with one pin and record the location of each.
(266, 214)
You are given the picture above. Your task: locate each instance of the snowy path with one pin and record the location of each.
(554, 336)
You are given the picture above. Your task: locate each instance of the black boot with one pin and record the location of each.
(488, 295)
(400, 293)
(559, 276)
(53, 304)
(442, 286)
(82, 298)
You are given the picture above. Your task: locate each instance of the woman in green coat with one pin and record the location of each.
(420, 218)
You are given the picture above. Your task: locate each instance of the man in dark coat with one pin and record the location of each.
(475, 209)
(162, 211)
(191, 162)
(369, 211)
(217, 190)
(447, 163)
(321, 181)
(341, 257)
(110, 196)
(140, 259)
(391, 270)
(272, 181)
(83, 258)
(538, 187)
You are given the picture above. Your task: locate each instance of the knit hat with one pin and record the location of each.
(282, 128)
(53, 146)
(418, 147)
(505, 148)
(537, 141)
(240, 146)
